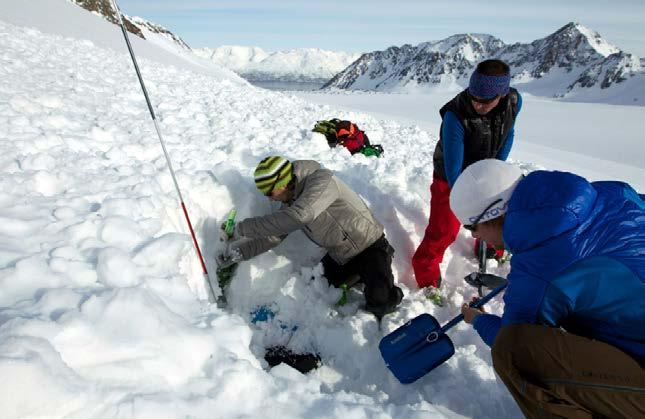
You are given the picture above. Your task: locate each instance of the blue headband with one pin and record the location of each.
(488, 87)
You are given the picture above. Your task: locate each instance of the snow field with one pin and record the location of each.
(103, 305)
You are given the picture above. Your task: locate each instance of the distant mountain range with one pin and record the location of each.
(304, 64)
(574, 63)
(569, 62)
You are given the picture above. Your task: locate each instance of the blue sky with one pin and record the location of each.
(367, 25)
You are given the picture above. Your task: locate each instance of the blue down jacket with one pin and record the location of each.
(578, 260)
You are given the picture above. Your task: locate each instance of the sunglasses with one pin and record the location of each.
(473, 226)
(480, 100)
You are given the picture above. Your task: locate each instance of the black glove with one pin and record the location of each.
(489, 281)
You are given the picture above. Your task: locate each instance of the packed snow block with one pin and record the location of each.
(416, 348)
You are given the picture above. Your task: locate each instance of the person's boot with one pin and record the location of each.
(435, 294)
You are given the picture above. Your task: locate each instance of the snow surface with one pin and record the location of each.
(595, 140)
(103, 309)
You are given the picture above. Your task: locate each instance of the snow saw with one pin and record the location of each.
(225, 274)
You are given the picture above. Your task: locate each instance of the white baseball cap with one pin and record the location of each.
(483, 190)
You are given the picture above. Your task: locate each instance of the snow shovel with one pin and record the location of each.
(421, 345)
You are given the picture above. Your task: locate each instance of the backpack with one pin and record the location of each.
(347, 134)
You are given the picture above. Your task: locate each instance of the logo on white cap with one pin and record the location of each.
(483, 190)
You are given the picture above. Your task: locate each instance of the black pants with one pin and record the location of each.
(374, 269)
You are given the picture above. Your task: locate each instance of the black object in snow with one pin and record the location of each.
(276, 355)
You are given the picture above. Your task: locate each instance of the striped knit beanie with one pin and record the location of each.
(272, 173)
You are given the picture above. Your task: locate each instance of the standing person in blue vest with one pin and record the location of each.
(477, 124)
(571, 340)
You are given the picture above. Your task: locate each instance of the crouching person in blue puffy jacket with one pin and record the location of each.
(571, 340)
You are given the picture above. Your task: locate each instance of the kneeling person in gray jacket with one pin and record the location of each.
(332, 216)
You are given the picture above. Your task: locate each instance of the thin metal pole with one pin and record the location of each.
(483, 260)
(165, 152)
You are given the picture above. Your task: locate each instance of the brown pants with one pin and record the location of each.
(555, 374)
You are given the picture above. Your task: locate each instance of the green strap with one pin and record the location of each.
(229, 224)
(343, 298)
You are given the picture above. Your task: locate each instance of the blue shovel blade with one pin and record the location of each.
(416, 348)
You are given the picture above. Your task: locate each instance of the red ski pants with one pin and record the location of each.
(441, 232)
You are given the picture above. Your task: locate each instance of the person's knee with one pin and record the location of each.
(420, 254)
(508, 339)
(377, 295)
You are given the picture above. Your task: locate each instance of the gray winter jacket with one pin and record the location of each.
(324, 208)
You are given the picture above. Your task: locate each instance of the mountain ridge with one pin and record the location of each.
(138, 26)
(573, 63)
(564, 63)
(298, 64)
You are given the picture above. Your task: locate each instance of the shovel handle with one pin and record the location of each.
(483, 260)
(476, 304)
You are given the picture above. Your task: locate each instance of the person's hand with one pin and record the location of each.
(470, 312)
(228, 257)
(235, 235)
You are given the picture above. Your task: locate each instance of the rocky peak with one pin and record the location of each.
(576, 36)
(571, 46)
(135, 25)
(104, 8)
(158, 29)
